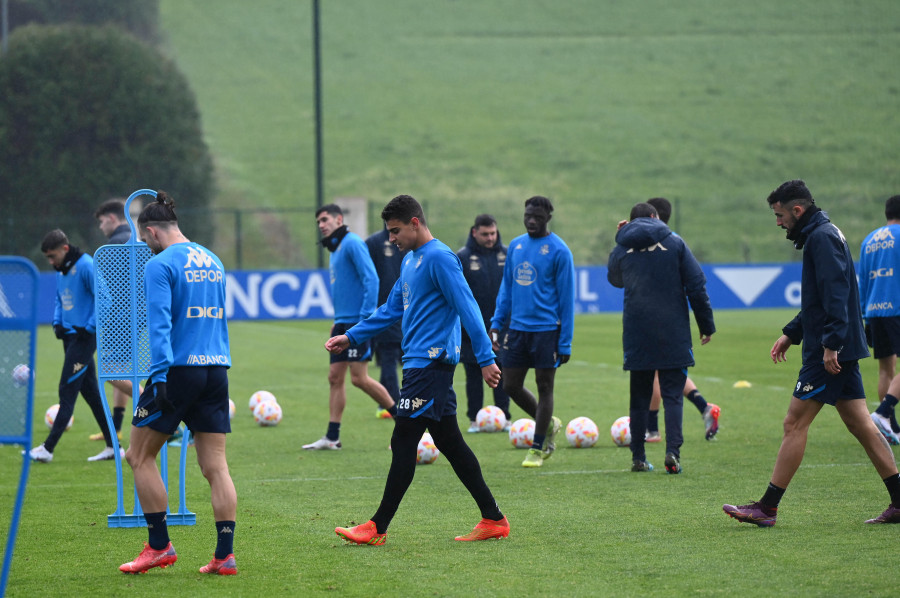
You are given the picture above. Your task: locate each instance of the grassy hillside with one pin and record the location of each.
(474, 106)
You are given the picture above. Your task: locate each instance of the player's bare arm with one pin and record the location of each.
(337, 344)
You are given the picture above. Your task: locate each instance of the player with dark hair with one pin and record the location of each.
(354, 291)
(189, 360)
(111, 220)
(430, 297)
(388, 261)
(830, 327)
(483, 259)
(879, 291)
(660, 275)
(708, 411)
(537, 298)
(74, 323)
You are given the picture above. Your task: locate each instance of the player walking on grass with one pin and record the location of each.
(354, 291)
(879, 296)
(537, 298)
(75, 325)
(430, 297)
(708, 411)
(659, 274)
(189, 361)
(830, 327)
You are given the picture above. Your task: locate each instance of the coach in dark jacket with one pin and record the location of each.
(483, 259)
(659, 274)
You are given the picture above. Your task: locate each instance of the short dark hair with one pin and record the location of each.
(484, 220)
(663, 207)
(642, 210)
(539, 201)
(332, 208)
(892, 208)
(403, 208)
(790, 193)
(53, 240)
(158, 213)
(116, 207)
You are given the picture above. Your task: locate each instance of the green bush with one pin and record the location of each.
(89, 113)
(139, 17)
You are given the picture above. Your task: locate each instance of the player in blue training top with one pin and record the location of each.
(830, 327)
(189, 360)
(879, 299)
(430, 297)
(73, 323)
(354, 292)
(537, 297)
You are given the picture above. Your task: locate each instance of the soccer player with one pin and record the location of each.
(483, 259)
(388, 260)
(189, 360)
(537, 298)
(830, 327)
(74, 323)
(660, 275)
(879, 296)
(430, 298)
(708, 411)
(111, 220)
(354, 291)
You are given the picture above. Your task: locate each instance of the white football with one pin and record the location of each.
(267, 413)
(232, 409)
(621, 431)
(490, 419)
(582, 432)
(521, 433)
(260, 396)
(426, 452)
(50, 416)
(21, 373)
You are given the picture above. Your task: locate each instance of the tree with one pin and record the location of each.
(139, 17)
(89, 113)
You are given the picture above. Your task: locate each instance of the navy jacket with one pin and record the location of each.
(388, 260)
(483, 270)
(659, 274)
(829, 300)
(120, 236)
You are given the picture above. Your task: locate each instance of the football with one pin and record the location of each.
(427, 452)
(260, 396)
(521, 433)
(621, 431)
(490, 419)
(50, 416)
(267, 413)
(582, 432)
(232, 409)
(21, 374)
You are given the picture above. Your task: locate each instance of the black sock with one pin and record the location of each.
(334, 431)
(653, 421)
(157, 529)
(393, 410)
(892, 483)
(538, 442)
(224, 538)
(886, 409)
(697, 399)
(118, 416)
(772, 496)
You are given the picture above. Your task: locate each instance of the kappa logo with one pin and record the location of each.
(808, 387)
(227, 530)
(199, 258)
(651, 248)
(77, 367)
(881, 239)
(882, 234)
(417, 402)
(433, 352)
(142, 412)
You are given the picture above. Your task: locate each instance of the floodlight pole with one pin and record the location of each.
(4, 28)
(317, 94)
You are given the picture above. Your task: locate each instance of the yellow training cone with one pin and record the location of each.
(742, 384)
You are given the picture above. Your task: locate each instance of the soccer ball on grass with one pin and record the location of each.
(50, 416)
(490, 419)
(261, 396)
(267, 413)
(426, 452)
(582, 432)
(521, 433)
(621, 431)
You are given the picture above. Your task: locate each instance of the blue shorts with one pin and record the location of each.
(816, 383)
(361, 352)
(885, 336)
(200, 395)
(530, 349)
(427, 392)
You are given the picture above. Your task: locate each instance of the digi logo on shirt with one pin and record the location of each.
(207, 269)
